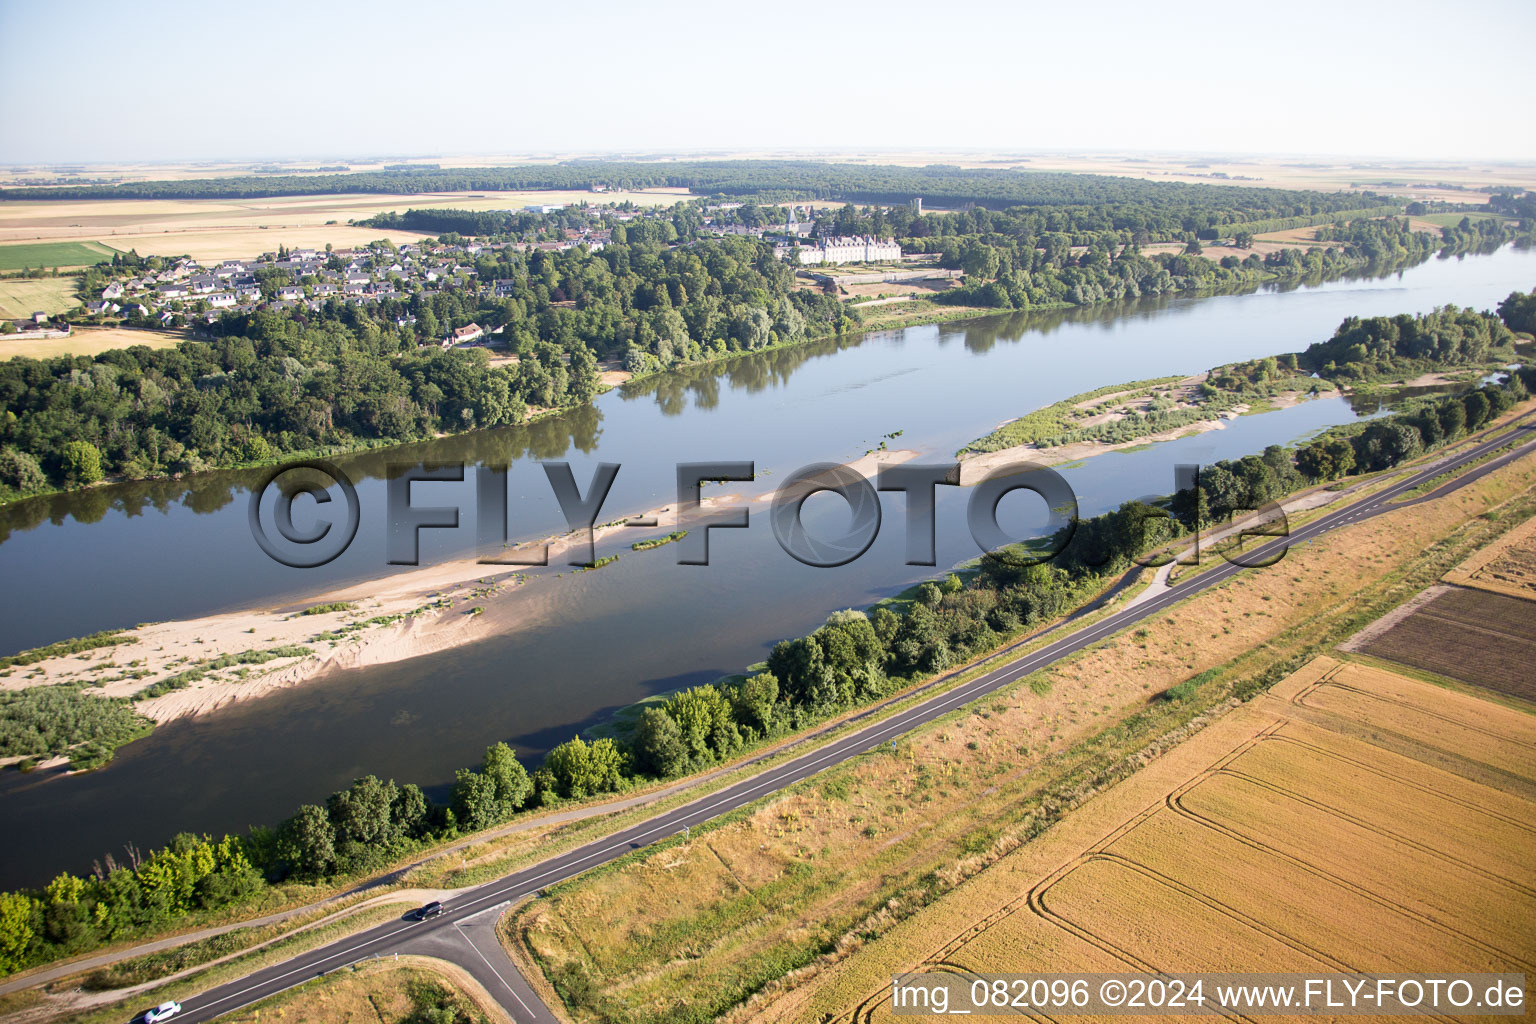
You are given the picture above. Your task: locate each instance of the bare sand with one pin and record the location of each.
(378, 622)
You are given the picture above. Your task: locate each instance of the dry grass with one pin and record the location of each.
(21, 297)
(825, 866)
(1508, 567)
(1292, 238)
(876, 289)
(86, 341)
(1276, 838)
(1215, 253)
(373, 993)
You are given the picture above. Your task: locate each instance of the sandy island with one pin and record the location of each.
(975, 467)
(378, 622)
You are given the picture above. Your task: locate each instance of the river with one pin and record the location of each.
(564, 652)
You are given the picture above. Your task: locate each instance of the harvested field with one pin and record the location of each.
(20, 297)
(1506, 567)
(209, 229)
(1476, 636)
(1281, 838)
(86, 341)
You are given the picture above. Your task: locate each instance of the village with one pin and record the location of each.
(187, 294)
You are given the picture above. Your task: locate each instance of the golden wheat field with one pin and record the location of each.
(1349, 820)
(214, 229)
(89, 341)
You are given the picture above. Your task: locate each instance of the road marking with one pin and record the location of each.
(494, 971)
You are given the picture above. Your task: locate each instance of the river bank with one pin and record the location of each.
(191, 667)
(558, 658)
(918, 313)
(976, 466)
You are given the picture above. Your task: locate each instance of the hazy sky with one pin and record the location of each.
(142, 81)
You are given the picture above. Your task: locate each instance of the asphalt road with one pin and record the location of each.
(465, 933)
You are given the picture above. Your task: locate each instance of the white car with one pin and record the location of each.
(165, 1011)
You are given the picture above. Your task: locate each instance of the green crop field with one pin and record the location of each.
(1450, 220)
(52, 254)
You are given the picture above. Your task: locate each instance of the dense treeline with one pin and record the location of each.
(485, 223)
(853, 659)
(346, 376)
(1013, 261)
(1362, 349)
(1004, 273)
(1389, 239)
(1514, 203)
(774, 179)
(1235, 485)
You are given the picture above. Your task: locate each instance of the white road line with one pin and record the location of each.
(494, 971)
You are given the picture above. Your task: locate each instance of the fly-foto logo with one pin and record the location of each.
(337, 513)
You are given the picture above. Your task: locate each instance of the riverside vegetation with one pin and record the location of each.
(1360, 352)
(854, 659)
(662, 294)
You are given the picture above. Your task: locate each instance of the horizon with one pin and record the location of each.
(496, 157)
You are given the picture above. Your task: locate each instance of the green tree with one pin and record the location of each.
(309, 842)
(509, 778)
(1328, 459)
(473, 800)
(658, 744)
(15, 930)
(1518, 311)
(20, 470)
(81, 462)
(411, 810)
(362, 816)
(576, 769)
(704, 717)
(585, 379)
(754, 700)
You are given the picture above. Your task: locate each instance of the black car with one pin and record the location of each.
(430, 910)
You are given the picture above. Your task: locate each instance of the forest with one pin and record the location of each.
(773, 180)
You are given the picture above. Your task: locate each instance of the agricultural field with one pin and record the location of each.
(215, 229)
(20, 297)
(88, 341)
(1299, 832)
(1508, 567)
(1448, 220)
(1475, 636)
(812, 881)
(1467, 183)
(52, 254)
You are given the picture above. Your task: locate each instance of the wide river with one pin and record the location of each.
(562, 653)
